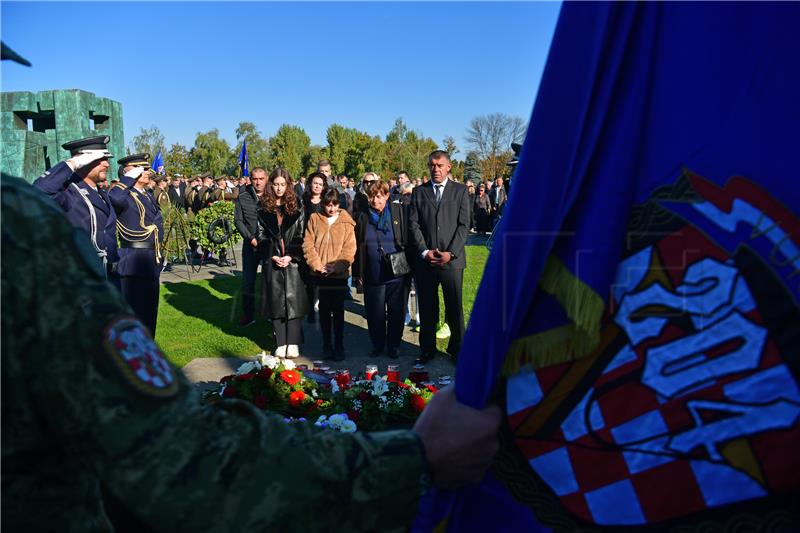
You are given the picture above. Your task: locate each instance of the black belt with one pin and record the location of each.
(142, 245)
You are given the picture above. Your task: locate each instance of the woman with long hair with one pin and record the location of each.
(280, 245)
(312, 203)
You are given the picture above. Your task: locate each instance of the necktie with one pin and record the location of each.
(438, 193)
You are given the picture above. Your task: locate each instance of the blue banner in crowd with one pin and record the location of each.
(244, 164)
(158, 163)
(637, 315)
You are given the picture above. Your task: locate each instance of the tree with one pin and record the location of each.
(257, 146)
(313, 156)
(491, 137)
(211, 153)
(288, 147)
(450, 146)
(472, 168)
(150, 141)
(341, 141)
(178, 160)
(407, 150)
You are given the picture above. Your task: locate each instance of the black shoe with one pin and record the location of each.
(424, 358)
(311, 318)
(393, 353)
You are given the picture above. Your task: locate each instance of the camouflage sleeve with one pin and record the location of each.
(105, 396)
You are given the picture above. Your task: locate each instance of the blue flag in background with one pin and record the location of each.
(158, 163)
(645, 272)
(244, 164)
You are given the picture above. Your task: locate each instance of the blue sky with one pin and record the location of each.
(192, 67)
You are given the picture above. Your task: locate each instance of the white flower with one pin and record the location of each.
(288, 364)
(379, 387)
(313, 393)
(348, 426)
(321, 421)
(247, 367)
(270, 361)
(334, 386)
(337, 420)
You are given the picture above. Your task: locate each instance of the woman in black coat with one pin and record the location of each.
(280, 244)
(312, 203)
(381, 229)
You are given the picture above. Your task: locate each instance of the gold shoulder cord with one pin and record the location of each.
(145, 234)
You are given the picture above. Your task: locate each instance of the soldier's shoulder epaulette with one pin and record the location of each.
(118, 185)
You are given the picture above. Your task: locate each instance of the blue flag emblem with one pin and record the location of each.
(244, 163)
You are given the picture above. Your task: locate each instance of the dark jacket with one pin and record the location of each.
(245, 214)
(176, 197)
(285, 290)
(139, 220)
(444, 226)
(399, 225)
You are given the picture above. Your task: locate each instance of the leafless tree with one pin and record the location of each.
(491, 136)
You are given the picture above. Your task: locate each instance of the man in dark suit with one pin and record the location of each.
(438, 225)
(497, 197)
(141, 232)
(176, 195)
(74, 185)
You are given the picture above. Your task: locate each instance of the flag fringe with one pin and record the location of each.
(583, 306)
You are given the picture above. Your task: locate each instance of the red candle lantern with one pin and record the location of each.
(393, 373)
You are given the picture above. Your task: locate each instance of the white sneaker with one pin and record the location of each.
(293, 351)
(280, 351)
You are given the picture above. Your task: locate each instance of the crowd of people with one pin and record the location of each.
(318, 237)
(315, 239)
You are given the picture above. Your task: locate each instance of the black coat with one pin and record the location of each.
(399, 227)
(444, 226)
(245, 215)
(286, 292)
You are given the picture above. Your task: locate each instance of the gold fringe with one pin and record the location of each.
(583, 306)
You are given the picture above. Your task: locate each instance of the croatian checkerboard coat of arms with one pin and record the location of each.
(688, 412)
(138, 358)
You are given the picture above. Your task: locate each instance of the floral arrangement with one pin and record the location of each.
(274, 384)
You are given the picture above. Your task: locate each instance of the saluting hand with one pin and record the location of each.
(86, 158)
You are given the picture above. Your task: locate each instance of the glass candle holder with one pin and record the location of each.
(343, 378)
(393, 373)
(370, 371)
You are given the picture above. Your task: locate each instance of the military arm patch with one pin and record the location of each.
(139, 359)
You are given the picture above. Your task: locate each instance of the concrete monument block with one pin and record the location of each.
(33, 126)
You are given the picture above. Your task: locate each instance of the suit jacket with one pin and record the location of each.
(176, 197)
(444, 226)
(133, 207)
(57, 184)
(497, 196)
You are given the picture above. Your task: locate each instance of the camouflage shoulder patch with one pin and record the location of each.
(138, 357)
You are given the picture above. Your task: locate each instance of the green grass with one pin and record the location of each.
(200, 318)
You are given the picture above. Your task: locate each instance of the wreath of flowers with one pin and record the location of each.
(276, 385)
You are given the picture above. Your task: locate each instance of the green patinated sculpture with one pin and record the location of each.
(33, 127)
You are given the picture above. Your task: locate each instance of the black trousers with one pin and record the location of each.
(385, 306)
(142, 295)
(331, 308)
(427, 286)
(288, 331)
(250, 261)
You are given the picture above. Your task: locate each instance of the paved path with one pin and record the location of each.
(206, 371)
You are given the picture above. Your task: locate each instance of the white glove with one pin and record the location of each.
(85, 158)
(135, 172)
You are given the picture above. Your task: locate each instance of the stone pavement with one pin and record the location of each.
(206, 371)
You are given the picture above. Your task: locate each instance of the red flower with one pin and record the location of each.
(226, 379)
(417, 402)
(229, 392)
(291, 377)
(363, 395)
(245, 377)
(265, 373)
(433, 389)
(297, 397)
(260, 401)
(319, 403)
(353, 415)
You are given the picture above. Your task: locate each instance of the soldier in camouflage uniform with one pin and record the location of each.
(92, 413)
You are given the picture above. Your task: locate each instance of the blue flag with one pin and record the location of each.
(638, 313)
(244, 164)
(158, 163)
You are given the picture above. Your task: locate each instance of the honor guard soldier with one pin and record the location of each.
(75, 184)
(141, 232)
